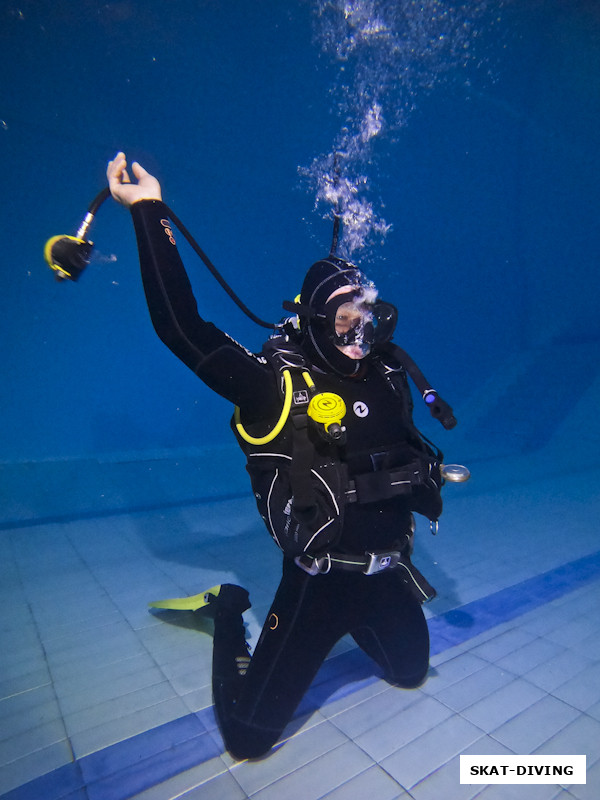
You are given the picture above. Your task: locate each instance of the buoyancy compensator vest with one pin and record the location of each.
(300, 482)
(297, 476)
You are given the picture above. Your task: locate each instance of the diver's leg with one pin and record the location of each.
(230, 651)
(300, 630)
(393, 630)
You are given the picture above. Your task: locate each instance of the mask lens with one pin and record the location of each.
(353, 324)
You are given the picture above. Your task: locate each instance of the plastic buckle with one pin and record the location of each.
(315, 566)
(380, 561)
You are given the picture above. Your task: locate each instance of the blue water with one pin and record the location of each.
(486, 175)
(468, 131)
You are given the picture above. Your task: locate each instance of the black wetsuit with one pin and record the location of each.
(310, 613)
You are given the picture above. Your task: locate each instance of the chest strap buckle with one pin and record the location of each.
(380, 561)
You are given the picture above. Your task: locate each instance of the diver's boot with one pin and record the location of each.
(229, 599)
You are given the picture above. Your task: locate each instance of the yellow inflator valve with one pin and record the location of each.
(328, 409)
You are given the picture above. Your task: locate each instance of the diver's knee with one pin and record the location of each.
(409, 681)
(245, 741)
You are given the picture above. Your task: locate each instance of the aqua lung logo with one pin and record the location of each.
(327, 403)
(300, 397)
(360, 409)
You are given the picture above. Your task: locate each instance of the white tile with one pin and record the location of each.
(19, 641)
(397, 731)
(189, 782)
(373, 782)
(444, 782)
(24, 701)
(34, 764)
(92, 638)
(55, 633)
(358, 692)
(582, 691)
(124, 644)
(118, 707)
(28, 741)
(589, 646)
(536, 652)
(499, 646)
(424, 755)
(88, 678)
(479, 685)
(305, 748)
(223, 787)
(30, 718)
(24, 674)
(320, 776)
(75, 610)
(594, 711)
(118, 690)
(198, 699)
(535, 725)
(102, 572)
(591, 788)
(375, 709)
(580, 737)
(186, 647)
(200, 663)
(452, 671)
(118, 729)
(558, 670)
(574, 630)
(502, 705)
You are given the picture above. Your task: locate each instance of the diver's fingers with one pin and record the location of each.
(115, 168)
(147, 182)
(138, 170)
(121, 187)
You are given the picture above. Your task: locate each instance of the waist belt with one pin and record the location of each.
(382, 484)
(370, 564)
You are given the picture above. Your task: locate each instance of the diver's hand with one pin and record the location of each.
(121, 188)
(439, 409)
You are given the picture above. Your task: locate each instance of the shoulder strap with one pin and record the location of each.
(394, 363)
(402, 358)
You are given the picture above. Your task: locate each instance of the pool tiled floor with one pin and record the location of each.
(102, 700)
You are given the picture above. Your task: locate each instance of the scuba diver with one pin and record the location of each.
(336, 475)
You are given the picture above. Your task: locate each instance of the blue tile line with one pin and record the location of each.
(129, 767)
(117, 511)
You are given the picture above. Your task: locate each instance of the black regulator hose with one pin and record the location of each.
(68, 256)
(216, 274)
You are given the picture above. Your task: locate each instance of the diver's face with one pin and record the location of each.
(349, 318)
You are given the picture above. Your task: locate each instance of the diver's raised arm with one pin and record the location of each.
(224, 365)
(121, 188)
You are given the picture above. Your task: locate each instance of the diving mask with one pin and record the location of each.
(360, 322)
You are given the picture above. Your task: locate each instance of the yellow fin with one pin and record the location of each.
(188, 603)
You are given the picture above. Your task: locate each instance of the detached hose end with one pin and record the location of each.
(67, 256)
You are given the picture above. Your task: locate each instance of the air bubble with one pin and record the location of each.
(388, 52)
